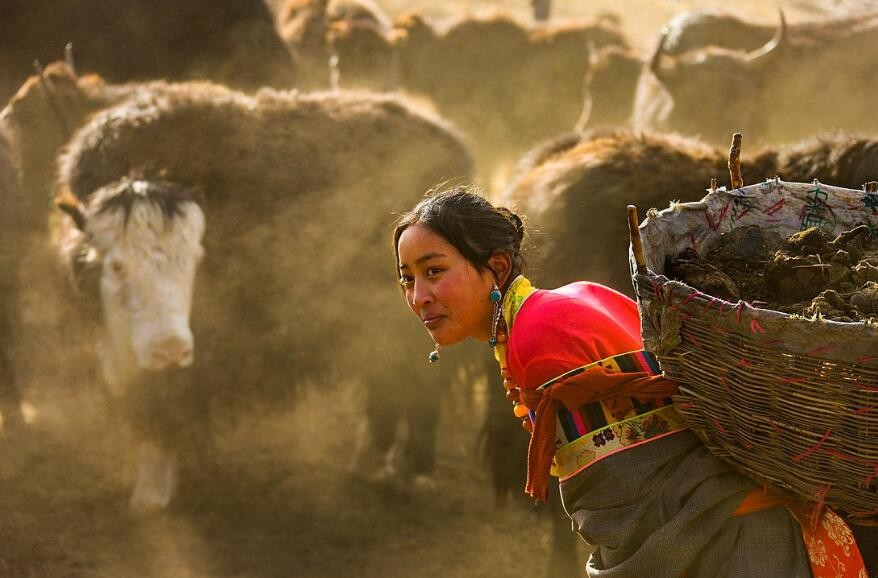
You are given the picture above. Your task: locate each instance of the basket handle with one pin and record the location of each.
(735, 162)
(636, 245)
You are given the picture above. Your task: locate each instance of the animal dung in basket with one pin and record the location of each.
(807, 273)
(768, 379)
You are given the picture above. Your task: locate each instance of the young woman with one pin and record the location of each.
(638, 485)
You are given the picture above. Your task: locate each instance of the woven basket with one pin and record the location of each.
(787, 400)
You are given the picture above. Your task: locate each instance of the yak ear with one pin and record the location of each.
(70, 205)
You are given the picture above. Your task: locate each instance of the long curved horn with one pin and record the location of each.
(655, 65)
(587, 101)
(762, 55)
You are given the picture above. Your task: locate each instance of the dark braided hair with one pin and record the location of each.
(471, 224)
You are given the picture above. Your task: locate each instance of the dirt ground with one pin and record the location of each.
(281, 501)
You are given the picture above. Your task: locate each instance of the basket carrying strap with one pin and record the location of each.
(832, 550)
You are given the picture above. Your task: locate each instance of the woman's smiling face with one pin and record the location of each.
(444, 290)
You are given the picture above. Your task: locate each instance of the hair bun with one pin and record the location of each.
(515, 221)
(519, 226)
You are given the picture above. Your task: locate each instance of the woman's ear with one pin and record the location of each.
(501, 264)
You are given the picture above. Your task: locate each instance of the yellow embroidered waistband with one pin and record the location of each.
(572, 458)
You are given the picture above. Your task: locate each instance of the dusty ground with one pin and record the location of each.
(274, 507)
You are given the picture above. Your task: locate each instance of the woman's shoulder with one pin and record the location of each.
(591, 292)
(559, 329)
(582, 298)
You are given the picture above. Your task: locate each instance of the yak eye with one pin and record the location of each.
(117, 267)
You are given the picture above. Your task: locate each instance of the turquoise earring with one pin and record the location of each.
(434, 355)
(495, 297)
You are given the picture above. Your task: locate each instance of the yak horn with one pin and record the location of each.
(53, 102)
(71, 206)
(761, 55)
(41, 74)
(68, 58)
(587, 101)
(655, 66)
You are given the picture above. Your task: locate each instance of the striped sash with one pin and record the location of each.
(592, 432)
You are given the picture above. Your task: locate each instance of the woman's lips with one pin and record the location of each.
(432, 321)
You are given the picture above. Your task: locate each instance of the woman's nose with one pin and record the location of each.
(422, 294)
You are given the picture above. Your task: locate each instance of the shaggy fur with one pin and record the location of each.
(572, 188)
(229, 41)
(507, 84)
(356, 33)
(780, 98)
(298, 191)
(41, 119)
(610, 87)
(10, 322)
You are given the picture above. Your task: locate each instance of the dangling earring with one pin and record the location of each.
(495, 296)
(434, 355)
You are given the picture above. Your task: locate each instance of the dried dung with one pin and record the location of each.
(808, 273)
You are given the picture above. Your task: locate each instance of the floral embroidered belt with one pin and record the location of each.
(592, 432)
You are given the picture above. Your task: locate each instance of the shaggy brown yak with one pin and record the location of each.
(228, 41)
(506, 84)
(10, 322)
(772, 93)
(297, 193)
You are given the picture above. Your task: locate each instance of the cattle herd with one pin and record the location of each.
(202, 193)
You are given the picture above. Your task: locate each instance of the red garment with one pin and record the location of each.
(560, 329)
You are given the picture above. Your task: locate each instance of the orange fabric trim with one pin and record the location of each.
(594, 384)
(832, 550)
(758, 500)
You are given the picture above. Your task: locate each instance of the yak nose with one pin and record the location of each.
(174, 351)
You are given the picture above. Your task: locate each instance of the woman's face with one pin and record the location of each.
(447, 293)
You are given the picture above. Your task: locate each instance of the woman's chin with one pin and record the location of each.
(444, 338)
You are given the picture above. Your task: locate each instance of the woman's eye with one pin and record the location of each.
(406, 281)
(433, 271)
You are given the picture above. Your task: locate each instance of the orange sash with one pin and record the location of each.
(832, 550)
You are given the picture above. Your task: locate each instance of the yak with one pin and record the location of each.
(231, 41)
(570, 189)
(296, 193)
(40, 118)
(508, 85)
(10, 261)
(343, 43)
(610, 86)
(772, 94)
(512, 85)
